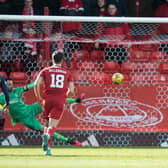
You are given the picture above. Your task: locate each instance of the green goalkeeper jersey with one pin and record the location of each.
(17, 109)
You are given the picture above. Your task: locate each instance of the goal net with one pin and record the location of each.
(95, 48)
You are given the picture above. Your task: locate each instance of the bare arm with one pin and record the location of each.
(71, 88)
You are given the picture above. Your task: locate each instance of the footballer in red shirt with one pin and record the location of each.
(56, 81)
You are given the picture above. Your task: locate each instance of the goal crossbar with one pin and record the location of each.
(84, 19)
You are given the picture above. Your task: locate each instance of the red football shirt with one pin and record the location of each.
(72, 4)
(56, 81)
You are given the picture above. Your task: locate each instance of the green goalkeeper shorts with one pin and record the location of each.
(30, 121)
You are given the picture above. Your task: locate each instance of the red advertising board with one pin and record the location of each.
(112, 107)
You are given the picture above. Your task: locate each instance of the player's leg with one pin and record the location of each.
(61, 137)
(48, 133)
(31, 122)
(36, 110)
(65, 139)
(53, 111)
(77, 100)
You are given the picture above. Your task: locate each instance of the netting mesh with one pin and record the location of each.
(93, 52)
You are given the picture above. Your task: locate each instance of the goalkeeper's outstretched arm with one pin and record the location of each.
(29, 86)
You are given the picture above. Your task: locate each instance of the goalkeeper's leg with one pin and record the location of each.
(63, 138)
(77, 100)
(32, 123)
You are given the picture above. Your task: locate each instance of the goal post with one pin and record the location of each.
(95, 48)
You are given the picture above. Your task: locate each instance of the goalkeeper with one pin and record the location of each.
(25, 114)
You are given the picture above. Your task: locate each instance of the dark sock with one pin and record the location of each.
(72, 142)
(78, 99)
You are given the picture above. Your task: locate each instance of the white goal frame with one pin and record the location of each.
(84, 19)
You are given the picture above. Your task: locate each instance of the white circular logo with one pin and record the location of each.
(116, 112)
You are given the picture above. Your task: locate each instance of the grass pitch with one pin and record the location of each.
(84, 158)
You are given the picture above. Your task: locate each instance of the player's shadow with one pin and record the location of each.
(68, 156)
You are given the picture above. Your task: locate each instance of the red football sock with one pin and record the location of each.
(49, 143)
(51, 131)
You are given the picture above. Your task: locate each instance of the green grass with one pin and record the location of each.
(84, 157)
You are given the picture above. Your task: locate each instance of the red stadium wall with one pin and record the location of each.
(112, 107)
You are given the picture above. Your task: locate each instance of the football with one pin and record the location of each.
(117, 78)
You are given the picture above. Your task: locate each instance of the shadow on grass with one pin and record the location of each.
(53, 155)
